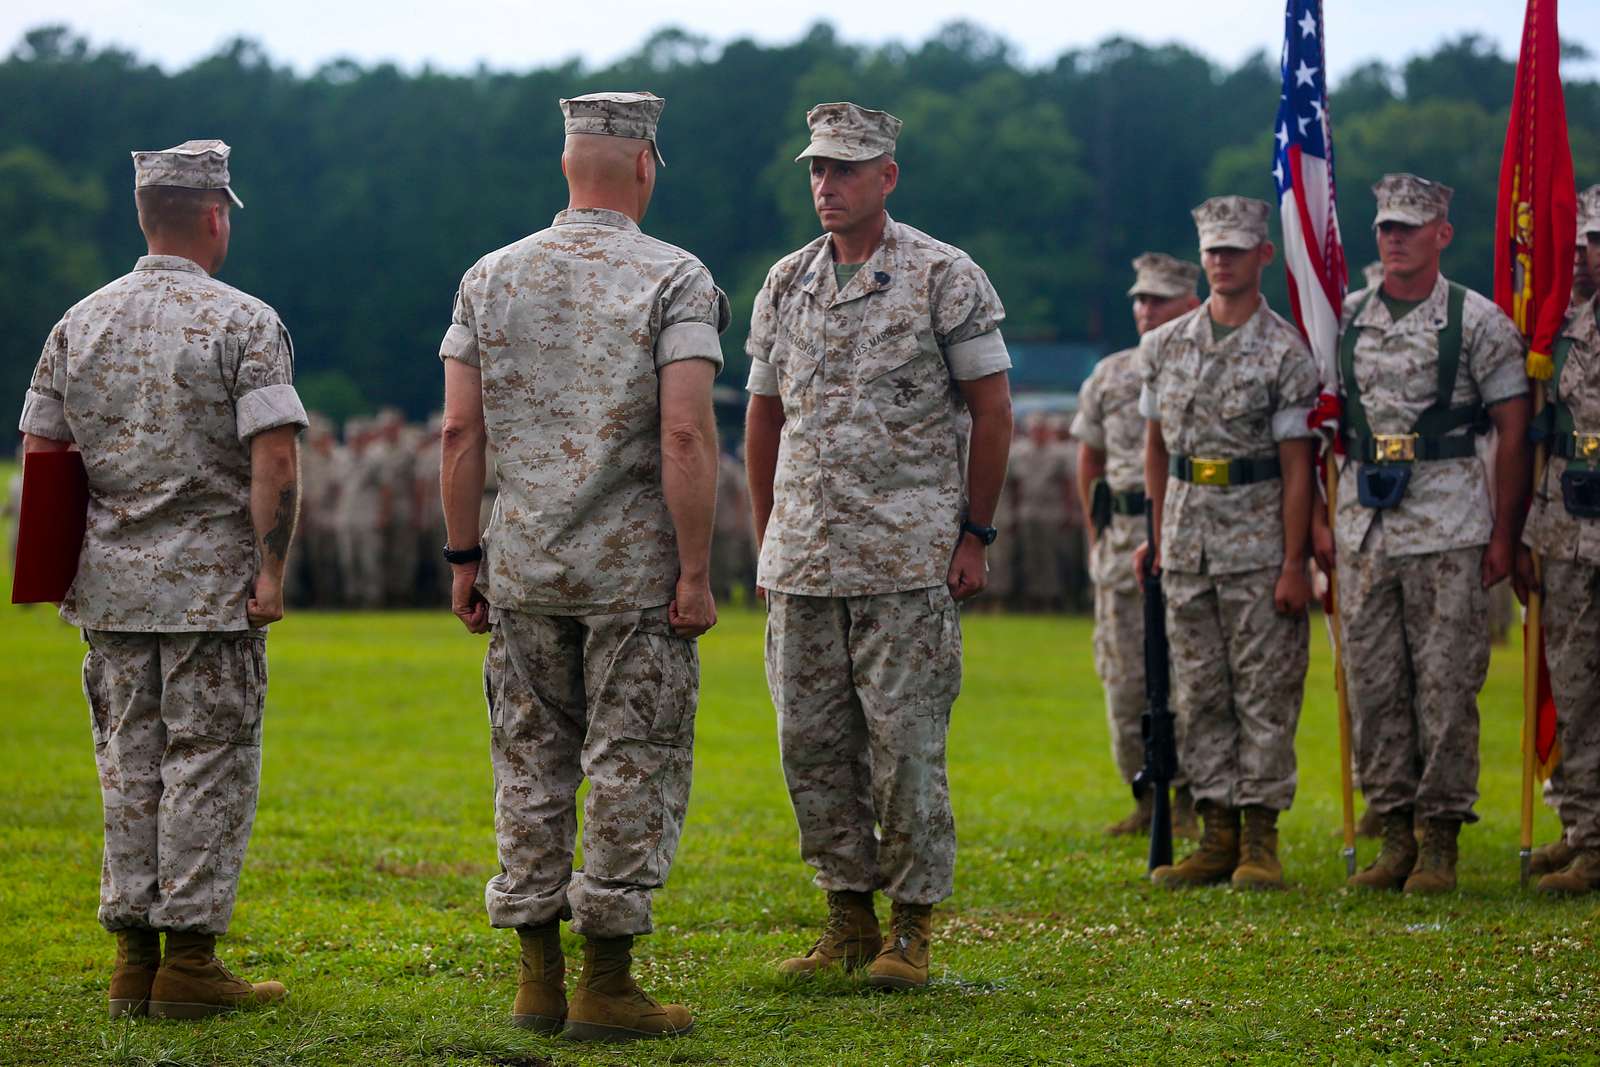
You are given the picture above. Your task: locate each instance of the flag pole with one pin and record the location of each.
(1346, 779)
(1532, 643)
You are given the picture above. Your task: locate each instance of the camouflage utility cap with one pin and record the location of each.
(1588, 213)
(850, 132)
(1411, 200)
(1231, 222)
(1160, 275)
(191, 165)
(631, 115)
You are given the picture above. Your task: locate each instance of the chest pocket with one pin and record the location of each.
(1245, 397)
(903, 376)
(795, 369)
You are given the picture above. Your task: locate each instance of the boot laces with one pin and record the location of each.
(1211, 835)
(903, 926)
(1255, 849)
(835, 929)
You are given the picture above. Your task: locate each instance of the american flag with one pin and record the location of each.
(1303, 167)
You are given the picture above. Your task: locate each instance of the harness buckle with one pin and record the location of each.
(1586, 448)
(1210, 471)
(1394, 447)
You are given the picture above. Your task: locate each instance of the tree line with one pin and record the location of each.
(369, 190)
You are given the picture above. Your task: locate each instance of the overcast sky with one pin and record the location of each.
(518, 35)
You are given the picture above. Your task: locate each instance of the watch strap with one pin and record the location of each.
(986, 534)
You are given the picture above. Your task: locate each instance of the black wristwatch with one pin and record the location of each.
(463, 555)
(986, 534)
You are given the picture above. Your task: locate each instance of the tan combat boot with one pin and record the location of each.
(1214, 859)
(1136, 821)
(903, 962)
(1396, 859)
(1582, 875)
(1548, 859)
(193, 984)
(608, 1004)
(138, 958)
(541, 1004)
(1258, 851)
(1185, 823)
(1435, 871)
(850, 939)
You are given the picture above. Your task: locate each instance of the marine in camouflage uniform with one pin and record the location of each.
(1568, 542)
(171, 384)
(1111, 433)
(874, 349)
(1041, 482)
(579, 337)
(1228, 467)
(359, 516)
(733, 548)
(1413, 600)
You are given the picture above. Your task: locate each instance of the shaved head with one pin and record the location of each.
(598, 157)
(611, 172)
(169, 211)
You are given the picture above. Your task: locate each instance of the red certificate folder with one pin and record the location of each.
(55, 509)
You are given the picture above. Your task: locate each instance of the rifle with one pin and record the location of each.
(1157, 724)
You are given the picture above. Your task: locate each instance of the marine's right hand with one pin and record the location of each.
(693, 610)
(1144, 556)
(266, 601)
(1524, 575)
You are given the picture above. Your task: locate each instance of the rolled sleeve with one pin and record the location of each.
(1506, 382)
(268, 408)
(1087, 432)
(43, 408)
(263, 391)
(965, 305)
(1088, 424)
(1496, 353)
(1149, 363)
(1149, 402)
(694, 312)
(44, 416)
(1291, 424)
(461, 339)
(978, 357)
(460, 343)
(763, 379)
(1297, 389)
(688, 340)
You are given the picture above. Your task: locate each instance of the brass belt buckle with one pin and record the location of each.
(1394, 447)
(1210, 471)
(1586, 448)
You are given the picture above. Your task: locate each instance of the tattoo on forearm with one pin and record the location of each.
(277, 539)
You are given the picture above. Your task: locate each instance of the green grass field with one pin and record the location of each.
(363, 888)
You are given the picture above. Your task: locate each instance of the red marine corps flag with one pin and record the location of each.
(1534, 235)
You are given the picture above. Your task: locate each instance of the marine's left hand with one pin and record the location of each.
(968, 574)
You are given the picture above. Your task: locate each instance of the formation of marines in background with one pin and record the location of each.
(370, 524)
(578, 367)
